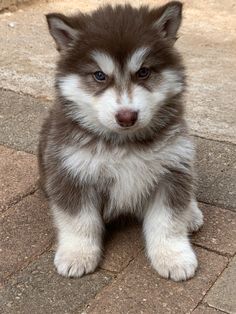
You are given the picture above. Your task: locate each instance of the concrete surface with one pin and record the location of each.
(216, 169)
(222, 295)
(140, 290)
(122, 244)
(38, 289)
(21, 117)
(203, 309)
(12, 4)
(218, 232)
(18, 176)
(125, 282)
(26, 233)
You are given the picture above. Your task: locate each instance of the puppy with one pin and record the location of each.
(115, 141)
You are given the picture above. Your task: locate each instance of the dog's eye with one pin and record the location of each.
(99, 76)
(143, 73)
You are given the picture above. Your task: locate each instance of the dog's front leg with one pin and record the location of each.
(165, 229)
(79, 240)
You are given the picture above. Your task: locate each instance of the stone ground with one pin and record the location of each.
(124, 283)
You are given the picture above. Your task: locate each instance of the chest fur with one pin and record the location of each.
(129, 176)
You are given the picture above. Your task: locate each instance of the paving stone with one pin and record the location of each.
(18, 175)
(139, 289)
(40, 290)
(26, 232)
(203, 309)
(10, 104)
(219, 230)
(222, 294)
(122, 244)
(216, 169)
(21, 117)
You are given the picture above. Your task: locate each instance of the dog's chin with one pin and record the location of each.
(122, 130)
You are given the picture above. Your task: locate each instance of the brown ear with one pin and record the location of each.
(169, 20)
(60, 29)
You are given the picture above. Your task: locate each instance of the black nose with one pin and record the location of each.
(126, 118)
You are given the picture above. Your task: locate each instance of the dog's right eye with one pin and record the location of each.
(99, 76)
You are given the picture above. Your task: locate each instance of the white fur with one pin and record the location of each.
(194, 217)
(120, 165)
(79, 241)
(115, 164)
(168, 247)
(104, 61)
(99, 112)
(71, 88)
(167, 243)
(136, 59)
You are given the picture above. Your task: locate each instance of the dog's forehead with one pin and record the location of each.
(109, 64)
(117, 33)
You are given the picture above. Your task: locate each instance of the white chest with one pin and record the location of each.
(128, 175)
(132, 175)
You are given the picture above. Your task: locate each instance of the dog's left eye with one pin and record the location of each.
(143, 73)
(99, 76)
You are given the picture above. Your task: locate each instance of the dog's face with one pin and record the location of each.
(118, 66)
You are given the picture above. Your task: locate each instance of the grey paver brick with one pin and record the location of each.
(40, 290)
(222, 294)
(219, 230)
(10, 104)
(216, 169)
(204, 309)
(21, 117)
(18, 175)
(25, 232)
(122, 244)
(139, 289)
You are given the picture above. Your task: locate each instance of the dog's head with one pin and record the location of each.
(118, 66)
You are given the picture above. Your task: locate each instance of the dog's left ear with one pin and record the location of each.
(61, 30)
(169, 19)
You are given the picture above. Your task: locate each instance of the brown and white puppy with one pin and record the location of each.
(115, 141)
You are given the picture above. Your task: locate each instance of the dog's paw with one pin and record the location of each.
(196, 221)
(175, 264)
(76, 263)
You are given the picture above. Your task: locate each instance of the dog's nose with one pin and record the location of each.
(126, 118)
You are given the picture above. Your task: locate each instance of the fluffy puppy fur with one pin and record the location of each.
(115, 141)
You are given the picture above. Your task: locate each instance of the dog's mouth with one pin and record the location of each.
(128, 129)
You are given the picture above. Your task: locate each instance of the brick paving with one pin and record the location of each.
(139, 287)
(124, 282)
(18, 176)
(26, 233)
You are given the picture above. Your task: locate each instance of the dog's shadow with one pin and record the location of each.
(123, 241)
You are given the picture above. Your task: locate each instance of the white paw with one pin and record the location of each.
(196, 220)
(174, 262)
(76, 263)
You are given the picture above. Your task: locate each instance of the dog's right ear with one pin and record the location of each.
(169, 19)
(61, 30)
